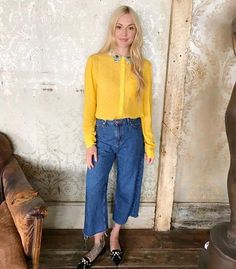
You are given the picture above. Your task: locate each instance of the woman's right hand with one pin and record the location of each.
(91, 154)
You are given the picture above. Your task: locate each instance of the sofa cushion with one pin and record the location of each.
(11, 250)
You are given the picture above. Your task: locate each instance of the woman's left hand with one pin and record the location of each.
(149, 160)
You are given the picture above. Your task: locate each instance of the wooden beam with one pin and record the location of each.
(199, 215)
(173, 107)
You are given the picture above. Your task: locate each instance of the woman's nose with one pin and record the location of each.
(124, 32)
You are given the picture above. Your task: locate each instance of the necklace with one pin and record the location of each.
(117, 57)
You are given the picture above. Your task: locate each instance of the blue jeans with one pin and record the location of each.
(120, 139)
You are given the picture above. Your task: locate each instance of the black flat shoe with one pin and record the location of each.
(85, 262)
(116, 256)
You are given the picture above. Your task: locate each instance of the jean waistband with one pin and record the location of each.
(125, 121)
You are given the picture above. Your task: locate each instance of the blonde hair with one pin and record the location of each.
(135, 48)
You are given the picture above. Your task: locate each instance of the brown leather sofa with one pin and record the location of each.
(21, 214)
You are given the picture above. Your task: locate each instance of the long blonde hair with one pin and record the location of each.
(135, 48)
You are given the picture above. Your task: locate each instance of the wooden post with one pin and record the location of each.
(173, 107)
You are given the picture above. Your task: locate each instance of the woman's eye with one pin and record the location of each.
(131, 28)
(118, 27)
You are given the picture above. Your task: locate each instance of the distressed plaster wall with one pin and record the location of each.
(43, 49)
(203, 160)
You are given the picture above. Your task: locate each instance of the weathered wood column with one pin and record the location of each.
(173, 107)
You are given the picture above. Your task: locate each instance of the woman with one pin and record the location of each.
(117, 126)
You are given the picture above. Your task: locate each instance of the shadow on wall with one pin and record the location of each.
(54, 187)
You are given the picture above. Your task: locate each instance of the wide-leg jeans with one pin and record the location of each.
(120, 140)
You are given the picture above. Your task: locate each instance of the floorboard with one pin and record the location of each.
(177, 249)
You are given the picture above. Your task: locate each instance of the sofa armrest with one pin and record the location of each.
(24, 203)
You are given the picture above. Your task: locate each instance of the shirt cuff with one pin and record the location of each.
(150, 152)
(89, 144)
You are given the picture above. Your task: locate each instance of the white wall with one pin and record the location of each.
(203, 160)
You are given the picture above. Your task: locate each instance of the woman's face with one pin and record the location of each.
(125, 31)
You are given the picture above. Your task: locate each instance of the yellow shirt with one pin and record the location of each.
(111, 93)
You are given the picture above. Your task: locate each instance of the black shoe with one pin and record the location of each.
(116, 256)
(85, 262)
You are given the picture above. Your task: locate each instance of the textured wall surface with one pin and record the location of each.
(203, 161)
(43, 49)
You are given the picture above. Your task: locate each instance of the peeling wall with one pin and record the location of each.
(203, 160)
(43, 46)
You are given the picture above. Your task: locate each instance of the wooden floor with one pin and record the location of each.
(177, 249)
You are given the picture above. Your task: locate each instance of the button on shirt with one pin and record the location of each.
(111, 93)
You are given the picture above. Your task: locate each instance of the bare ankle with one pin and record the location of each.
(114, 234)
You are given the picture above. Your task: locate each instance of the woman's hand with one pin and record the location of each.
(149, 160)
(91, 155)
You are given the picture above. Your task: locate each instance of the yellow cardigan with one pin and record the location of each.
(111, 93)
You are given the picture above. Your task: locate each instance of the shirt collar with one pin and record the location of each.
(117, 57)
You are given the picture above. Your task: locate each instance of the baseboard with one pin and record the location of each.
(199, 215)
(70, 215)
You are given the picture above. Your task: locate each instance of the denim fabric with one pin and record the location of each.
(120, 140)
